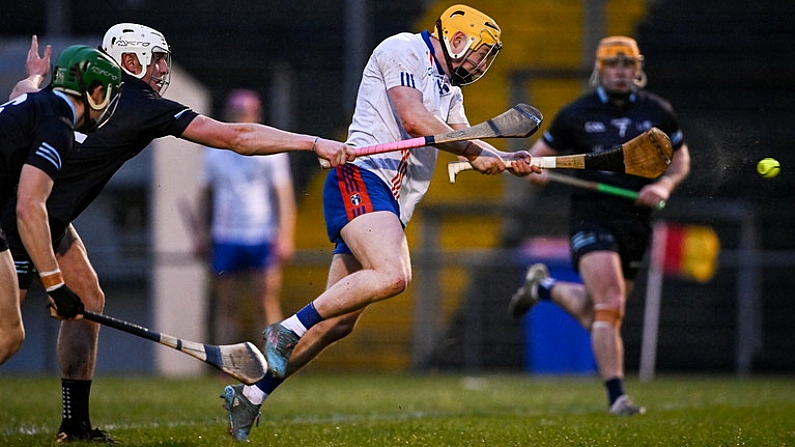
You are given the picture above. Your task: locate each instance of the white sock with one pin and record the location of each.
(254, 394)
(294, 324)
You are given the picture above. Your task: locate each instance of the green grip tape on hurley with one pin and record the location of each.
(616, 191)
(623, 192)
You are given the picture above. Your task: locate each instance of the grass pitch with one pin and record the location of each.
(377, 409)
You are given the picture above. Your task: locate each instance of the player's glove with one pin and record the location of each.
(65, 303)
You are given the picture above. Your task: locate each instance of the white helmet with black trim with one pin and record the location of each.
(142, 41)
(482, 35)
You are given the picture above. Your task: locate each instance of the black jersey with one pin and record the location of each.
(141, 116)
(37, 129)
(593, 124)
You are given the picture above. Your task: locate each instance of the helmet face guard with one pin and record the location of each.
(462, 76)
(162, 57)
(482, 39)
(111, 102)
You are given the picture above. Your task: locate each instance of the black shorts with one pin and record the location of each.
(3, 241)
(630, 239)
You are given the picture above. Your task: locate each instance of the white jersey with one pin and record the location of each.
(243, 194)
(404, 59)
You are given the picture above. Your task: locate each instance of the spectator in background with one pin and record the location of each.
(249, 208)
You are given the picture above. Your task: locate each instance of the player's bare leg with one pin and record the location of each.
(77, 342)
(379, 244)
(603, 276)
(601, 272)
(574, 299)
(244, 402)
(321, 336)
(12, 331)
(329, 331)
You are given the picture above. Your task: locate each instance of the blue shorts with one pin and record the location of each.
(234, 258)
(629, 239)
(350, 192)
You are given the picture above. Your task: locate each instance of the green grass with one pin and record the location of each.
(377, 409)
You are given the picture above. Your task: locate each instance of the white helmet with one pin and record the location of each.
(140, 40)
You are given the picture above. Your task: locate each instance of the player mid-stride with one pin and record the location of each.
(411, 87)
(608, 234)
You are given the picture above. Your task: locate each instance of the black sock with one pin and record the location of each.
(615, 389)
(545, 288)
(74, 394)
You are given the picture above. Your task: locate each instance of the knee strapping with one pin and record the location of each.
(610, 316)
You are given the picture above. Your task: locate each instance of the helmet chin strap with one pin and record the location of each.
(462, 76)
(456, 78)
(160, 82)
(86, 124)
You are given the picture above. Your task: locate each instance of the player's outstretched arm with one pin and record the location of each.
(258, 139)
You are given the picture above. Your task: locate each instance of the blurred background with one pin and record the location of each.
(728, 67)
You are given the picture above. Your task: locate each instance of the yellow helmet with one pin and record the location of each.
(615, 48)
(479, 30)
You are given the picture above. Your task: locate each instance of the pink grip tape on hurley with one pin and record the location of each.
(393, 146)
